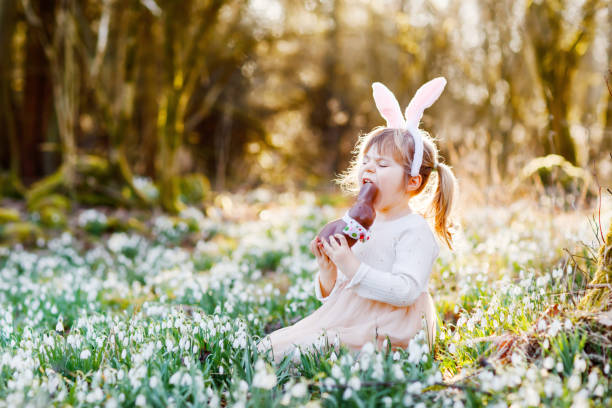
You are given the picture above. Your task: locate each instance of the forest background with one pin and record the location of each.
(161, 103)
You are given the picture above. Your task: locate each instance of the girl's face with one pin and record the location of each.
(388, 176)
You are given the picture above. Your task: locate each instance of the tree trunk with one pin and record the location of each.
(38, 95)
(556, 66)
(147, 89)
(7, 108)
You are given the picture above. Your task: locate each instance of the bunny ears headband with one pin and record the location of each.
(389, 109)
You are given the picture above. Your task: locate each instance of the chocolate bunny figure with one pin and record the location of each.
(362, 214)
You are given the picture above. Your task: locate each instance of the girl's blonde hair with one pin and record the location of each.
(400, 144)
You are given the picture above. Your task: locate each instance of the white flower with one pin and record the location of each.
(554, 328)
(263, 377)
(141, 401)
(398, 373)
(347, 393)
(85, 354)
(452, 348)
(60, 325)
(174, 380)
(153, 382)
(95, 395)
(542, 325)
(414, 388)
(355, 383)
(367, 348)
(592, 380)
(299, 390)
(581, 399)
(579, 364)
(549, 363)
(336, 372)
(574, 382)
(531, 395)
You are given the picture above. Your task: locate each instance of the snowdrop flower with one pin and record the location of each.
(542, 325)
(263, 378)
(153, 382)
(354, 383)
(414, 388)
(95, 395)
(60, 325)
(592, 380)
(347, 393)
(299, 390)
(549, 363)
(85, 354)
(531, 395)
(554, 328)
(574, 382)
(368, 348)
(579, 364)
(141, 401)
(398, 373)
(581, 399)
(336, 372)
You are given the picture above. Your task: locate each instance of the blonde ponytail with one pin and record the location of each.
(442, 204)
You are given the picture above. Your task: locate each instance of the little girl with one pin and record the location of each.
(379, 288)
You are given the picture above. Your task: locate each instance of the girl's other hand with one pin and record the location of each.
(326, 265)
(339, 251)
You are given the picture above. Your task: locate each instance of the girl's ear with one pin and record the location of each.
(414, 182)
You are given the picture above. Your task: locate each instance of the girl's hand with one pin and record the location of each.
(328, 268)
(340, 253)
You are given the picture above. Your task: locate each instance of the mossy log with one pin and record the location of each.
(97, 182)
(22, 231)
(599, 295)
(9, 215)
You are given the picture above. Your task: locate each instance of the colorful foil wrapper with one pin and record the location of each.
(355, 230)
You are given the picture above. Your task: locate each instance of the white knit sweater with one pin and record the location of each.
(395, 263)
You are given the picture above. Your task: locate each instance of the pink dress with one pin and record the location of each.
(387, 296)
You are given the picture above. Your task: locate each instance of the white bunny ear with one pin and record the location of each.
(388, 106)
(424, 97)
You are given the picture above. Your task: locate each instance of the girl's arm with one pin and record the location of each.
(416, 252)
(324, 288)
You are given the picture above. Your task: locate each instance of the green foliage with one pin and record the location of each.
(138, 320)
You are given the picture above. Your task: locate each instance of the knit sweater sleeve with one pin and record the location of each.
(317, 283)
(415, 253)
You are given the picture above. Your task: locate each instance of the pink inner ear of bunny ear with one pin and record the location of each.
(387, 105)
(424, 97)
